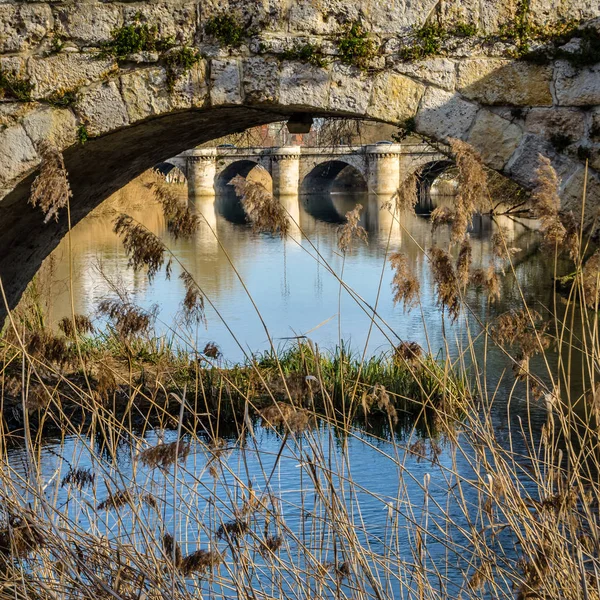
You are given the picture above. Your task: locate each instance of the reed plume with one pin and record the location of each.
(352, 230)
(265, 213)
(463, 262)
(50, 189)
(128, 318)
(446, 281)
(164, 455)
(405, 285)
(78, 323)
(193, 301)
(407, 196)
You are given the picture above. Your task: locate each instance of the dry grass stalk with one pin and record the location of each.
(128, 319)
(181, 223)
(264, 212)
(378, 397)
(472, 191)
(352, 230)
(408, 352)
(200, 561)
(463, 262)
(488, 280)
(407, 196)
(442, 215)
(79, 478)
(143, 247)
(559, 230)
(405, 285)
(50, 189)
(281, 414)
(193, 302)
(79, 323)
(20, 537)
(164, 455)
(446, 281)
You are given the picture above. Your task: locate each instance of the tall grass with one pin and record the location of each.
(310, 474)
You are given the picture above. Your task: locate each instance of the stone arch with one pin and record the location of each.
(322, 177)
(172, 173)
(133, 114)
(427, 175)
(241, 167)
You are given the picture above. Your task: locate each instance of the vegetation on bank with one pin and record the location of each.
(505, 504)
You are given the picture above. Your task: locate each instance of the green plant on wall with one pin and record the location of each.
(355, 47)
(13, 86)
(226, 29)
(309, 53)
(179, 62)
(133, 38)
(82, 134)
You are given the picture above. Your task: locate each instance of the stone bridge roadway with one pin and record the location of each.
(135, 110)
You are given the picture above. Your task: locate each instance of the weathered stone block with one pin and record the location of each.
(437, 71)
(505, 82)
(226, 82)
(571, 195)
(176, 20)
(444, 115)
(551, 121)
(395, 98)
(261, 80)
(23, 26)
(525, 161)
(17, 154)
(88, 24)
(350, 89)
(494, 138)
(145, 92)
(66, 71)
(303, 85)
(101, 108)
(577, 87)
(57, 126)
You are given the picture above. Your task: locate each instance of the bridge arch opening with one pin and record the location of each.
(334, 176)
(251, 170)
(436, 184)
(171, 172)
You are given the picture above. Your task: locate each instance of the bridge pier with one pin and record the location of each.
(285, 170)
(201, 172)
(383, 168)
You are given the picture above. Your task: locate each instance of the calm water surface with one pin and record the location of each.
(296, 293)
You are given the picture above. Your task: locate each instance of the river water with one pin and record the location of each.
(291, 284)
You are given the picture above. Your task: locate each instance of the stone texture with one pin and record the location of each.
(145, 92)
(505, 82)
(350, 89)
(444, 115)
(176, 20)
(440, 72)
(550, 121)
(101, 108)
(594, 124)
(23, 26)
(58, 126)
(89, 24)
(395, 98)
(66, 71)
(303, 85)
(226, 82)
(494, 138)
(17, 154)
(526, 159)
(261, 80)
(571, 195)
(575, 87)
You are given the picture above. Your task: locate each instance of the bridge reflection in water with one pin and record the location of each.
(294, 292)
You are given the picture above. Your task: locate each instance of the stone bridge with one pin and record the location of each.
(300, 169)
(118, 101)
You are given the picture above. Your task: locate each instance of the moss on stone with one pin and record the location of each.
(226, 29)
(355, 47)
(308, 53)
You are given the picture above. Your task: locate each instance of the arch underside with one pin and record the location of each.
(333, 175)
(426, 177)
(238, 167)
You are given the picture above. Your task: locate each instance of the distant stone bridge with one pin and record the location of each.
(297, 169)
(114, 117)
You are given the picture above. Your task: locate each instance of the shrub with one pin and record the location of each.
(226, 29)
(355, 47)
